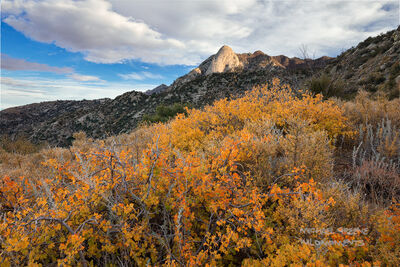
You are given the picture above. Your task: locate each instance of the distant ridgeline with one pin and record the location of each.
(372, 65)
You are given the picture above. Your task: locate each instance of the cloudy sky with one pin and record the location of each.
(85, 49)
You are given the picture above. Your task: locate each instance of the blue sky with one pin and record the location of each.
(81, 79)
(86, 49)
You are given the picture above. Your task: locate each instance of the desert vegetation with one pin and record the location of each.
(164, 113)
(276, 177)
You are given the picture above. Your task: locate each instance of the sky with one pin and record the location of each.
(87, 49)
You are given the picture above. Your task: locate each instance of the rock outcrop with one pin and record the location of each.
(225, 60)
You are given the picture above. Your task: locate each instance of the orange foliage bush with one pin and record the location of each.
(232, 184)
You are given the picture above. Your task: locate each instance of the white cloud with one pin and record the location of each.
(13, 64)
(91, 27)
(187, 32)
(274, 26)
(84, 78)
(12, 82)
(140, 76)
(10, 63)
(26, 90)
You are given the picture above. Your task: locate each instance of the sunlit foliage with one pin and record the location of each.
(233, 184)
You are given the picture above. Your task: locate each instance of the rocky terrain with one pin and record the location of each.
(373, 65)
(26, 119)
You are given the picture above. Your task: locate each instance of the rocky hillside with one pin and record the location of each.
(373, 65)
(26, 119)
(226, 61)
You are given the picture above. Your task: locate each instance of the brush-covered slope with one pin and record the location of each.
(372, 65)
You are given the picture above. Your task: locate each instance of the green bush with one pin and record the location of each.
(164, 113)
(327, 86)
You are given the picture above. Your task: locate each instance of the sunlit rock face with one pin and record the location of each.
(224, 61)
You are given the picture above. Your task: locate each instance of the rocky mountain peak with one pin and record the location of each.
(157, 90)
(224, 61)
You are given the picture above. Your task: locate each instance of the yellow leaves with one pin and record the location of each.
(331, 201)
(237, 212)
(72, 247)
(127, 211)
(17, 244)
(274, 191)
(42, 201)
(76, 239)
(189, 194)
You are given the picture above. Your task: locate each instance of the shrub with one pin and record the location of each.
(191, 192)
(378, 181)
(368, 109)
(20, 145)
(375, 164)
(379, 142)
(270, 154)
(387, 247)
(164, 113)
(327, 86)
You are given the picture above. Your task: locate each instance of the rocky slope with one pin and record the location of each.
(25, 120)
(372, 64)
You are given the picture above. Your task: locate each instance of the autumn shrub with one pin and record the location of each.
(369, 109)
(275, 102)
(150, 217)
(271, 154)
(233, 184)
(387, 246)
(350, 208)
(285, 131)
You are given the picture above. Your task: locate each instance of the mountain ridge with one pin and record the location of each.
(224, 74)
